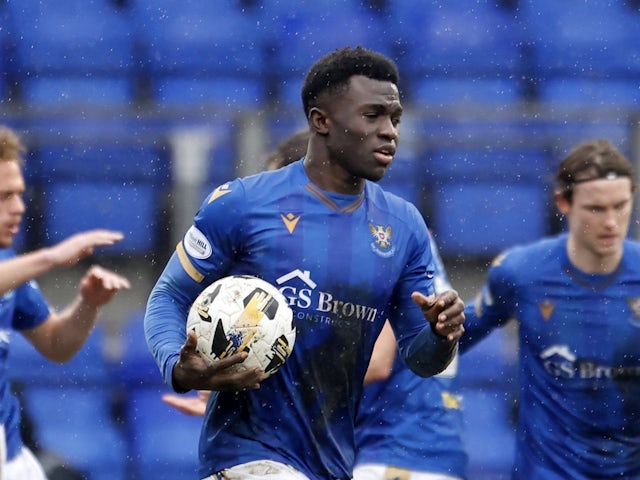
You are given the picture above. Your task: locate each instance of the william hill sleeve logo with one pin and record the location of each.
(381, 244)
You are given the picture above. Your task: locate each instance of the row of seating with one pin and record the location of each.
(245, 54)
(103, 412)
(482, 185)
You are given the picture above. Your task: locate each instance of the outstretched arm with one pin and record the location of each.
(60, 336)
(18, 270)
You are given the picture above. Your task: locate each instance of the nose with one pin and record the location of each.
(389, 129)
(17, 205)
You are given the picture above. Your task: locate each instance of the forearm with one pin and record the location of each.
(64, 333)
(430, 354)
(18, 270)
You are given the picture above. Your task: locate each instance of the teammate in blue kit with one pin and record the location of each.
(56, 335)
(576, 298)
(409, 427)
(345, 253)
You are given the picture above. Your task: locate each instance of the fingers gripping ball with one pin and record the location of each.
(243, 313)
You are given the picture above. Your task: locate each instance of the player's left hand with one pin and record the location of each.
(189, 405)
(445, 313)
(99, 285)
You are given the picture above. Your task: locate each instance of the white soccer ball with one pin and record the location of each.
(243, 313)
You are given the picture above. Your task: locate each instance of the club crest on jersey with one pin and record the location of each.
(634, 305)
(382, 240)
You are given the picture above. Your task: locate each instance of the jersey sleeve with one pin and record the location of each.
(204, 254)
(32, 308)
(424, 352)
(495, 304)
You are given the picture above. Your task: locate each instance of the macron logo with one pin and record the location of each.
(297, 273)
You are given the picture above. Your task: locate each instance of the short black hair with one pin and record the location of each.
(334, 70)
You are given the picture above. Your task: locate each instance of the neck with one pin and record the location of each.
(589, 261)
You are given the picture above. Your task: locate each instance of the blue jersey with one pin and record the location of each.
(20, 309)
(579, 361)
(411, 422)
(346, 263)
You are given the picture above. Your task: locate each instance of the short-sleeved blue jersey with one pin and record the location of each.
(411, 422)
(20, 309)
(579, 361)
(345, 263)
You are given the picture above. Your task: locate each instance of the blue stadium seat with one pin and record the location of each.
(75, 91)
(596, 38)
(405, 178)
(455, 39)
(129, 207)
(184, 43)
(491, 163)
(234, 93)
(303, 34)
(79, 53)
(439, 91)
(70, 406)
(103, 184)
(578, 92)
(482, 219)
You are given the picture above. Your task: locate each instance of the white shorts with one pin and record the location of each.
(257, 470)
(374, 471)
(23, 466)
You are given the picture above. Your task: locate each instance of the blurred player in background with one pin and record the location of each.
(56, 335)
(576, 297)
(409, 427)
(350, 255)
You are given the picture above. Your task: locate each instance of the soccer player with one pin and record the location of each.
(347, 255)
(576, 298)
(56, 335)
(407, 426)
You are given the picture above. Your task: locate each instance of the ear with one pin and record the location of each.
(319, 121)
(562, 204)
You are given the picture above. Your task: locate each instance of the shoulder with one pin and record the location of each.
(392, 204)
(532, 258)
(632, 253)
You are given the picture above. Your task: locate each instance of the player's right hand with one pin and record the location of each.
(193, 372)
(73, 249)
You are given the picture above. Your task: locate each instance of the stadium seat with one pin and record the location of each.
(482, 219)
(103, 185)
(302, 34)
(186, 43)
(76, 91)
(128, 207)
(405, 179)
(456, 39)
(80, 54)
(469, 92)
(583, 93)
(70, 406)
(595, 38)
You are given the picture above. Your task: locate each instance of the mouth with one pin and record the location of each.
(385, 155)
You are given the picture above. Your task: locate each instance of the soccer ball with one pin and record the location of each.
(243, 313)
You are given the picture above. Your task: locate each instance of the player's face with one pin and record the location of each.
(599, 217)
(363, 133)
(11, 205)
